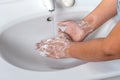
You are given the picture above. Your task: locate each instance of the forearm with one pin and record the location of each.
(105, 10)
(89, 50)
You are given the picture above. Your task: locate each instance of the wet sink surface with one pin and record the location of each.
(17, 46)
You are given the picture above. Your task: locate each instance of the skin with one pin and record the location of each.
(100, 49)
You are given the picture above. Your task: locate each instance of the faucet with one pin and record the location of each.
(50, 4)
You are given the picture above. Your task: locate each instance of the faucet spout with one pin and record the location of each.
(49, 4)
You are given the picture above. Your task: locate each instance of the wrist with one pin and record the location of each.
(89, 23)
(69, 51)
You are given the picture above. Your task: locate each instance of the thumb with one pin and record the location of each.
(60, 32)
(64, 35)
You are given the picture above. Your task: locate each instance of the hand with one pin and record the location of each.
(54, 47)
(76, 30)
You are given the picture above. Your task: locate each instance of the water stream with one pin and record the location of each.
(54, 25)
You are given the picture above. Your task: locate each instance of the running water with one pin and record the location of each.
(54, 25)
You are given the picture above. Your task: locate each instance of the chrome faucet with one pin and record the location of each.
(50, 4)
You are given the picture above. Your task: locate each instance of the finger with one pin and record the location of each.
(64, 23)
(61, 24)
(65, 35)
(68, 36)
(51, 56)
(60, 32)
(41, 43)
(38, 45)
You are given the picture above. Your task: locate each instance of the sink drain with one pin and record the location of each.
(49, 19)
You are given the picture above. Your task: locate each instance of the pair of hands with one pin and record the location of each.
(56, 47)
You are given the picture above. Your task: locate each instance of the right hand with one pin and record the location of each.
(54, 47)
(77, 31)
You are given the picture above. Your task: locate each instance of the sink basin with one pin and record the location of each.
(18, 38)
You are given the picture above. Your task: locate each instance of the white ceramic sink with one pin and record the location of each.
(17, 43)
(19, 50)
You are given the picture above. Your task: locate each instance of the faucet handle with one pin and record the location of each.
(68, 3)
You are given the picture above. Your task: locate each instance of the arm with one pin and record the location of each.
(98, 49)
(79, 30)
(103, 12)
